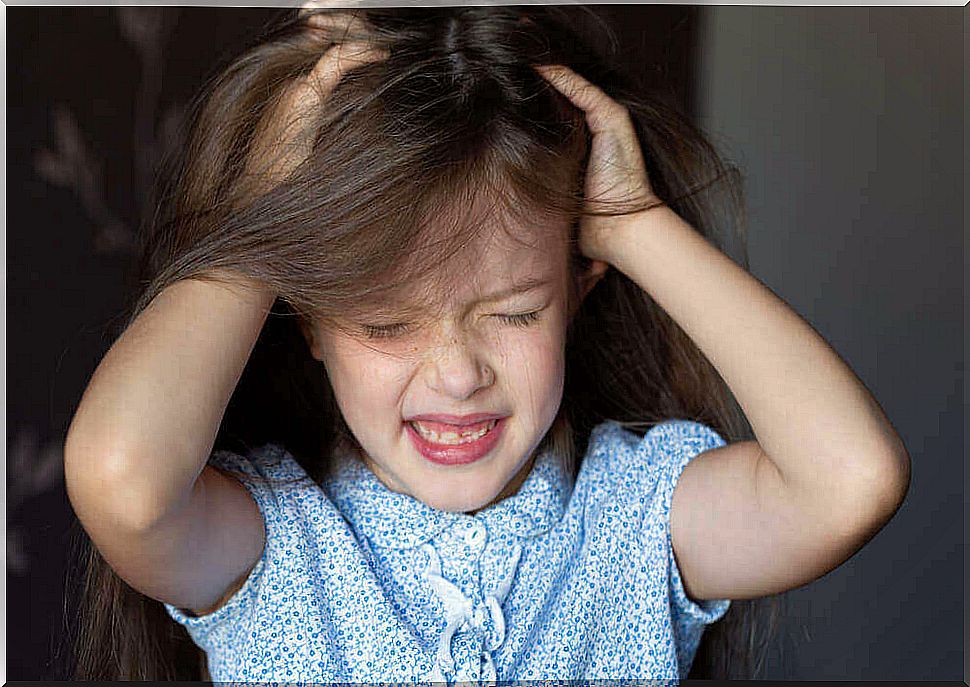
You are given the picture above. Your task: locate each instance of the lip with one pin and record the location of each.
(460, 454)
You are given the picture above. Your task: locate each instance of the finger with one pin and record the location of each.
(282, 140)
(339, 60)
(346, 20)
(601, 110)
(340, 26)
(313, 5)
(306, 94)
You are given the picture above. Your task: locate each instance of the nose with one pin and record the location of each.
(456, 369)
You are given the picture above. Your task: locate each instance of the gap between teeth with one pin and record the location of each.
(452, 437)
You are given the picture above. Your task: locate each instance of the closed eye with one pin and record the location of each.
(388, 331)
(520, 320)
(385, 331)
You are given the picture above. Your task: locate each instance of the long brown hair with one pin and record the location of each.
(454, 126)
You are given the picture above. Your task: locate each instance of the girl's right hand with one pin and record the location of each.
(282, 137)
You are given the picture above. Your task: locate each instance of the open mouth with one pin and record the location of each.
(452, 435)
(453, 445)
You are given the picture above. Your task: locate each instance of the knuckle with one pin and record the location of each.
(339, 25)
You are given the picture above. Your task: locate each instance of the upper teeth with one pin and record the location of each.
(451, 437)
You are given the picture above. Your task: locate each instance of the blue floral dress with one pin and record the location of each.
(559, 581)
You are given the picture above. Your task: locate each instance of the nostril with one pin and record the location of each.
(487, 374)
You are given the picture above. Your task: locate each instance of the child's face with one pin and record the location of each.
(463, 360)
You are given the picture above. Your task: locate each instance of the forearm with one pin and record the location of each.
(149, 416)
(811, 415)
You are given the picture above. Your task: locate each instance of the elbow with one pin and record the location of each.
(101, 488)
(886, 484)
(899, 478)
(895, 468)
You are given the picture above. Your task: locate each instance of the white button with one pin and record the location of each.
(476, 535)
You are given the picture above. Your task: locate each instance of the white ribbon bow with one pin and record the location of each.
(460, 611)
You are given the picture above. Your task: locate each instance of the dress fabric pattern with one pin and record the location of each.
(358, 583)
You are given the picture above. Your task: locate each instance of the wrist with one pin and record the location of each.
(630, 232)
(253, 291)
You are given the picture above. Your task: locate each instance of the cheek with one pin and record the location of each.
(363, 379)
(535, 368)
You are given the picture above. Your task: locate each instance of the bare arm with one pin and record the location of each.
(135, 457)
(136, 451)
(827, 469)
(149, 416)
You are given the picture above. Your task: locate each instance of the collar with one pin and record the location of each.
(393, 520)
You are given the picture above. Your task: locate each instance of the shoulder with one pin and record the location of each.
(288, 499)
(280, 486)
(636, 474)
(271, 474)
(666, 447)
(642, 472)
(269, 461)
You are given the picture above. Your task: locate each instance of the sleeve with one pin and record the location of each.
(216, 628)
(671, 445)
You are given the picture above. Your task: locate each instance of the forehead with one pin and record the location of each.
(499, 258)
(504, 255)
(480, 266)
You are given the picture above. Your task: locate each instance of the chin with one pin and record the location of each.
(460, 503)
(455, 499)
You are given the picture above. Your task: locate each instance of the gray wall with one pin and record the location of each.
(848, 126)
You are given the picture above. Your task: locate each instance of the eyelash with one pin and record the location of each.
(384, 331)
(523, 320)
(389, 331)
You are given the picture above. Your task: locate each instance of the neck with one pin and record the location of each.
(513, 486)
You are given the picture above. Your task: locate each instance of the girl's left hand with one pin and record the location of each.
(616, 172)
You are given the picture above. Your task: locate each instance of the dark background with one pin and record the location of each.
(846, 121)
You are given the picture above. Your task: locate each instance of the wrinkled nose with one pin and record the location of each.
(456, 370)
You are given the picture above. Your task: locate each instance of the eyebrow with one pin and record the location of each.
(405, 312)
(529, 284)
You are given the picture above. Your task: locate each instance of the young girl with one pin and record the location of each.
(429, 380)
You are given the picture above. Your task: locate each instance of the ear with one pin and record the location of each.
(592, 275)
(585, 281)
(311, 340)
